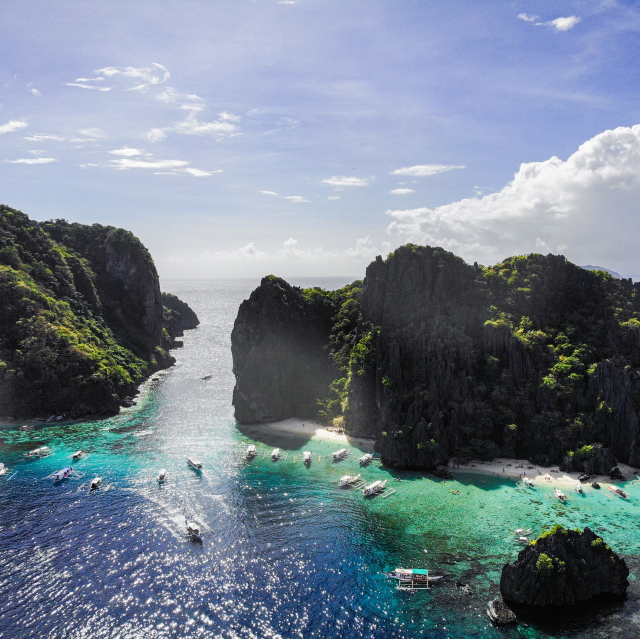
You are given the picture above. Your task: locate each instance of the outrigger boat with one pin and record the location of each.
(95, 483)
(618, 491)
(38, 452)
(162, 475)
(306, 457)
(595, 484)
(522, 531)
(376, 487)
(62, 474)
(193, 530)
(77, 454)
(528, 482)
(366, 459)
(420, 575)
(559, 494)
(340, 454)
(275, 454)
(3, 469)
(251, 451)
(522, 540)
(347, 480)
(194, 463)
(578, 489)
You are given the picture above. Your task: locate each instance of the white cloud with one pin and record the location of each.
(156, 135)
(363, 249)
(93, 133)
(35, 92)
(44, 137)
(588, 203)
(127, 152)
(200, 172)
(333, 197)
(343, 180)
(290, 243)
(87, 86)
(146, 76)
(144, 164)
(192, 126)
(89, 79)
(527, 18)
(401, 191)
(561, 24)
(37, 151)
(229, 116)
(12, 125)
(425, 170)
(32, 161)
(291, 198)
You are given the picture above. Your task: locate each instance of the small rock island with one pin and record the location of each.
(82, 318)
(562, 568)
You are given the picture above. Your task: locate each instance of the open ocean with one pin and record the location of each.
(287, 553)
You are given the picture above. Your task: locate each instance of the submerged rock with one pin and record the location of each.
(499, 613)
(564, 567)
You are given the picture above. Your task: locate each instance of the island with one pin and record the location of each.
(534, 358)
(82, 320)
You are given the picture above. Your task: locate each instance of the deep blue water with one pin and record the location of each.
(286, 552)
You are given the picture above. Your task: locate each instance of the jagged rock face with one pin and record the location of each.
(279, 356)
(599, 462)
(178, 316)
(564, 568)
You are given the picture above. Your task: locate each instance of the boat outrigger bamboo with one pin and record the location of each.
(411, 578)
(618, 491)
(375, 487)
(366, 459)
(62, 474)
(559, 494)
(340, 454)
(349, 480)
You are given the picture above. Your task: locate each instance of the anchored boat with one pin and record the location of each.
(42, 451)
(194, 463)
(340, 454)
(411, 578)
(595, 484)
(528, 482)
(578, 489)
(162, 475)
(366, 459)
(77, 454)
(376, 487)
(275, 454)
(62, 474)
(193, 530)
(559, 494)
(306, 457)
(251, 451)
(95, 483)
(347, 480)
(3, 469)
(618, 491)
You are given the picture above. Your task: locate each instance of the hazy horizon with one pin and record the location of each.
(299, 138)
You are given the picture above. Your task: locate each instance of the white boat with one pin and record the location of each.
(251, 451)
(193, 530)
(347, 480)
(77, 454)
(522, 531)
(365, 459)
(578, 489)
(3, 469)
(527, 482)
(38, 452)
(374, 488)
(62, 474)
(412, 574)
(306, 457)
(194, 463)
(162, 475)
(95, 483)
(275, 454)
(340, 454)
(522, 540)
(559, 494)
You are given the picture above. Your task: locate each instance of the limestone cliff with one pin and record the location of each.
(564, 567)
(533, 357)
(81, 317)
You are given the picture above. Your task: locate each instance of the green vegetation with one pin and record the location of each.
(71, 339)
(544, 564)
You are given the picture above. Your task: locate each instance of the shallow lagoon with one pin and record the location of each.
(290, 553)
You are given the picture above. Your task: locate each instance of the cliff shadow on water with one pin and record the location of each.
(82, 318)
(434, 358)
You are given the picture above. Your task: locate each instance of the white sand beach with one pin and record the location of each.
(311, 429)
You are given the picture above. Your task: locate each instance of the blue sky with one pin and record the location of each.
(304, 138)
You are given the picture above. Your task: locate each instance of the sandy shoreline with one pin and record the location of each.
(309, 428)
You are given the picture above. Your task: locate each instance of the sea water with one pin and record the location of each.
(286, 552)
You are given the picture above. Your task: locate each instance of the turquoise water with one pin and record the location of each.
(286, 553)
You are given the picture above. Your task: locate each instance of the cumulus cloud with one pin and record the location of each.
(561, 24)
(12, 125)
(93, 132)
(156, 135)
(192, 126)
(291, 198)
(35, 92)
(147, 164)
(527, 18)
(425, 170)
(32, 161)
(145, 76)
(343, 180)
(586, 205)
(127, 152)
(200, 172)
(401, 191)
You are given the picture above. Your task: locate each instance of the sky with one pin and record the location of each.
(306, 137)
